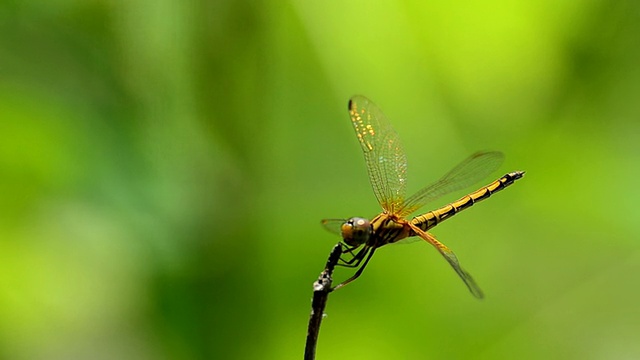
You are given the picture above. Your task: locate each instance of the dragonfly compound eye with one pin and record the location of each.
(356, 231)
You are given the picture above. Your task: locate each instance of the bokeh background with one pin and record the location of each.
(164, 166)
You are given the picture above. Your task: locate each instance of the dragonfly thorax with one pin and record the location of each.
(356, 231)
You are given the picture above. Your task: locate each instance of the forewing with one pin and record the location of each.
(470, 171)
(452, 259)
(333, 225)
(383, 153)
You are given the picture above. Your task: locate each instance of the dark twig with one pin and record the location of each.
(321, 290)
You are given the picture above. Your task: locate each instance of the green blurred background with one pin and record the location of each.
(164, 166)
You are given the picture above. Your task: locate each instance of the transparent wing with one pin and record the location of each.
(452, 259)
(470, 171)
(333, 225)
(383, 153)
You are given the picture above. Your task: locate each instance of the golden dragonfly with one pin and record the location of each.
(387, 167)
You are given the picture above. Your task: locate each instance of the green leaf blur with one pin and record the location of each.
(164, 167)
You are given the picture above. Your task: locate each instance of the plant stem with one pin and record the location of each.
(321, 290)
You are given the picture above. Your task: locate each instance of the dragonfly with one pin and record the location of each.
(387, 168)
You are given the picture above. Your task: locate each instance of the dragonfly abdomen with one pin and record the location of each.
(432, 218)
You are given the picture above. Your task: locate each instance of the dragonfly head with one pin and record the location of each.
(356, 231)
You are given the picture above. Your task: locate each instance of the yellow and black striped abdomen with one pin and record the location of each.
(432, 218)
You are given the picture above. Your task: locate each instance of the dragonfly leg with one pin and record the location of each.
(355, 259)
(348, 249)
(355, 276)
